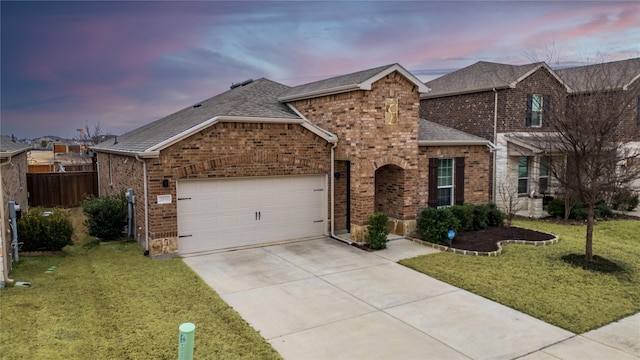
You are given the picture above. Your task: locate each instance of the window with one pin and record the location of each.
(537, 108)
(445, 182)
(523, 175)
(544, 174)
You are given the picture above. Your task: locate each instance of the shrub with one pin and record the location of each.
(378, 231)
(580, 211)
(625, 200)
(464, 214)
(106, 215)
(495, 216)
(480, 217)
(555, 207)
(38, 232)
(433, 224)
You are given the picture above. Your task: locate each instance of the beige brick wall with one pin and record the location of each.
(14, 188)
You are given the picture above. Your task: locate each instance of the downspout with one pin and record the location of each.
(333, 199)
(5, 262)
(146, 205)
(495, 140)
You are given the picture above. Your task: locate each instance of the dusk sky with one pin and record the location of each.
(124, 64)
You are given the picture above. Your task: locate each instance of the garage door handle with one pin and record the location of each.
(184, 236)
(259, 215)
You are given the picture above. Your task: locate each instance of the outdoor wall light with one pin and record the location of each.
(165, 183)
(336, 175)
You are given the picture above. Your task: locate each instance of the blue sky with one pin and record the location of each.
(123, 64)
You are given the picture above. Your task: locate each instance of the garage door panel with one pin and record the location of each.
(222, 213)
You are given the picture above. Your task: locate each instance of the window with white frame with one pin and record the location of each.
(537, 101)
(445, 182)
(543, 181)
(523, 175)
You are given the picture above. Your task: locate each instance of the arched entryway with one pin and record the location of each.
(390, 189)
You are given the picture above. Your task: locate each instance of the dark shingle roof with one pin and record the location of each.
(8, 147)
(481, 76)
(349, 82)
(257, 99)
(430, 132)
(611, 75)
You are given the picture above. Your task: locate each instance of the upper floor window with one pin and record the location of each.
(537, 109)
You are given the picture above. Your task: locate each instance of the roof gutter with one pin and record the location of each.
(462, 92)
(456, 143)
(323, 92)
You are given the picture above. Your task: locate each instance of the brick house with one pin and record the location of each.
(503, 104)
(508, 105)
(264, 162)
(13, 174)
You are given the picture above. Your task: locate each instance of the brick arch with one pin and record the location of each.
(390, 160)
(249, 158)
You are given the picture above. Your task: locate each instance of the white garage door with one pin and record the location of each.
(226, 213)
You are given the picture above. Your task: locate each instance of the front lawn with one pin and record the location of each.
(108, 301)
(536, 281)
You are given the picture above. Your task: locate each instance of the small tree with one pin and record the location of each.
(378, 231)
(511, 203)
(594, 134)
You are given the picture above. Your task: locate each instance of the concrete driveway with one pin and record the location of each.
(322, 299)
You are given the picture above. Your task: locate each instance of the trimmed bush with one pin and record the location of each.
(38, 232)
(378, 231)
(579, 211)
(624, 200)
(433, 224)
(480, 217)
(495, 216)
(106, 215)
(464, 214)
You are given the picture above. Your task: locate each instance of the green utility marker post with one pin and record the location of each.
(185, 347)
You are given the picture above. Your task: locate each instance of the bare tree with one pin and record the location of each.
(91, 135)
(597, 134)
(510, 201)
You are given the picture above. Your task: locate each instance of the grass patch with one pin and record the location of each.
(536, 280)
(107, 301)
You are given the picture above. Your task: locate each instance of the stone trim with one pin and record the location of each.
(390, 160)
(444, 248)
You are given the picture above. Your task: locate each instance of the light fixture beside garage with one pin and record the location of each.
(165, 183)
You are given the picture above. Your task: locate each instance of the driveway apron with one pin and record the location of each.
(323, 299)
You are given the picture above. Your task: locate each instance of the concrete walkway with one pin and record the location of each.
(322, 299)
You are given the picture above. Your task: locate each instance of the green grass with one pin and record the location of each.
(536, 281)
(108, 301)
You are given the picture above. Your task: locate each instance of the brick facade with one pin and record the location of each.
(14, 188)
(221, 150)
(369, 142)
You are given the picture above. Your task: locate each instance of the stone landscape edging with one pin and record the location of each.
(487, 253)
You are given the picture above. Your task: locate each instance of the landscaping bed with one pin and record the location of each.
(486, 240)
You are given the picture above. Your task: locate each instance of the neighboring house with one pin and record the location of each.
(264, 162)
(508, 105)
(617, 81)
(13, 174)
(504, 104)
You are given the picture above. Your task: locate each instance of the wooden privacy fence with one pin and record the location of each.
(66, 189)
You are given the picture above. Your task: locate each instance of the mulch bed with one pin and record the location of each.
(486, 240)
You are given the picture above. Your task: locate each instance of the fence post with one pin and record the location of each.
(185, 346)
